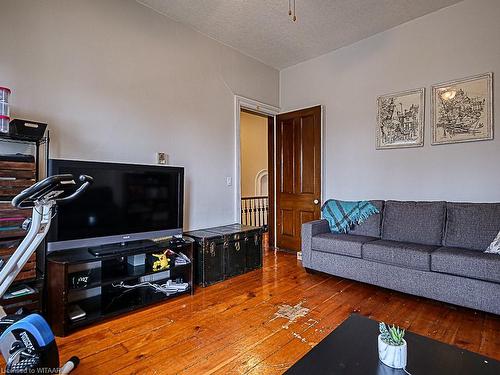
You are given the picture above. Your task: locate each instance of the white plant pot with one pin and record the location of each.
(390, 355)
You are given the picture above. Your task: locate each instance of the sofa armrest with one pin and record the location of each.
(309, 230)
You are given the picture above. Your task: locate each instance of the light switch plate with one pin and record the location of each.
(161, 158)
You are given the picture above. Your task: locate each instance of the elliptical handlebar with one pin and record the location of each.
(42, 189)
(86, 182)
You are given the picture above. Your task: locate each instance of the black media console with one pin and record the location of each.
(84, 288)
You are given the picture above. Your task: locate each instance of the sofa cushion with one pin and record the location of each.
(371, 226)
(340, 243)
(417, 222)
(471, 225)
(468, 263)
(403, 254)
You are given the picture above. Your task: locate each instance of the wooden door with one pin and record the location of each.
(298, 173)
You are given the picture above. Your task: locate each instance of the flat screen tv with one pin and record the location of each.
(126, 202)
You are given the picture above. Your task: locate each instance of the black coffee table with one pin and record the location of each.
(352, 349)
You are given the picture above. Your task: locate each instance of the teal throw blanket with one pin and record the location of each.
(342, 215)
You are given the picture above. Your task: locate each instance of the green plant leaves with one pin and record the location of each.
(391, 335)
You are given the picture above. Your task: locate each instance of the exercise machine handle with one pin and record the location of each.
(86, 182)
(44, 188)
(26, 198)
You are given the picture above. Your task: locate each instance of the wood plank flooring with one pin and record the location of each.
(231, 327)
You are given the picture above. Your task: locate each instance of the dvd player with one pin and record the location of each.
(124, 248)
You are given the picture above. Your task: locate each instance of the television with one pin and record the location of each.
(126, 202)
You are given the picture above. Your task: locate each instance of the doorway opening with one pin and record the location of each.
(294, 171)
(256, 167)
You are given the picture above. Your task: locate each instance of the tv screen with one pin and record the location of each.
(126, 202)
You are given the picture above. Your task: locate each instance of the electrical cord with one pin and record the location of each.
(166, 288)
(53, 212)
(156, 287)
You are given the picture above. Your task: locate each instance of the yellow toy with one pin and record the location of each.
(162, 262)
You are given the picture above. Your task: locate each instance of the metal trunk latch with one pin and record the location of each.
(212, 249)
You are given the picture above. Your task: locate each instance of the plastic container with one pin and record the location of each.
(4, 94)
(4, 124)
(4, 109)
(27, 130)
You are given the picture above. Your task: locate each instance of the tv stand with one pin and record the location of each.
(123, 247)
(83, 289)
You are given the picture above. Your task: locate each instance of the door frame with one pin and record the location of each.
(241, 102)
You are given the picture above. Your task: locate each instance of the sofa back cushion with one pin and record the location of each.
(417, 222)
(372, 226)
(472, 225)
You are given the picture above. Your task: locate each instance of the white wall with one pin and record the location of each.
(253, 149)
(454, 42)
(118, 82)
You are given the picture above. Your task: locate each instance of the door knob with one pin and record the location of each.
(315, 201)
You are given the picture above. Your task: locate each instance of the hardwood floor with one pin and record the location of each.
(231, 327)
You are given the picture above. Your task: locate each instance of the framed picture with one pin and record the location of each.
(462, 110)
(400, 119)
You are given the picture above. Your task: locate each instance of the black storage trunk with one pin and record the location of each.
(251, 238)
(226, 251)
(208, 257)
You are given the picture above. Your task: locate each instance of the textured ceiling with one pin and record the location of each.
(262, 29)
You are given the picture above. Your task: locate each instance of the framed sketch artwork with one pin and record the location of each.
(400, 119)
(462, 110)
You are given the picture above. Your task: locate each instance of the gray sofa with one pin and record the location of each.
(429, 249)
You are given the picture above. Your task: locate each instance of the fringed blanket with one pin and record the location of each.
(342, 215)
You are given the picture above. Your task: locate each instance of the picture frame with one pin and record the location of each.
(462, 110)
(401, 119)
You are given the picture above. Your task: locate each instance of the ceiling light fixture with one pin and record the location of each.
(291, 10)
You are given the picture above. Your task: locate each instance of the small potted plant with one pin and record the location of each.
(391, 346)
